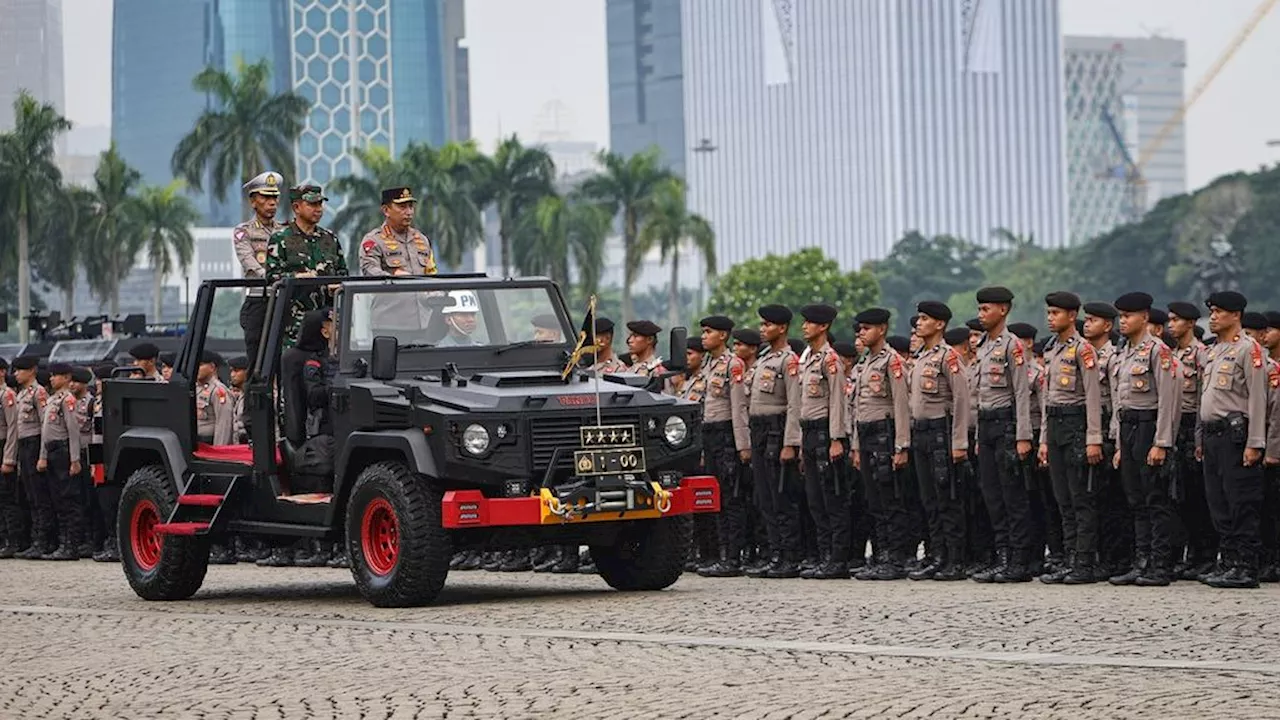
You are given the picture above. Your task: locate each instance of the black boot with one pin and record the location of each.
(66, 549)
(516, 561)
(220, 554)
(785, 568)
(586, 564)
(928, 570)
(950, 572)
(311, 554)
(1084, 570)
(891, 568)
(834, 570)
(7, 551)
(567, 560)
(1060, 571)
(472, 560)
(458, 558)
(110, 551)
(546, 558)
(1156, 574)
(491, 561)
(1139, 565)
(281, 556)
(989, 575)
(1017, 570)
(338, 558)
(810, 572)
(758, 570)
(1238, 577)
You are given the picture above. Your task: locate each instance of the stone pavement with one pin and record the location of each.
(297, 643)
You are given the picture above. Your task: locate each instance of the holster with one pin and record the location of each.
(1238, 428)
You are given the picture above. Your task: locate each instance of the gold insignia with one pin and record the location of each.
(1071, 352)
(1223, 381)
(1066, 381)
(271, 180)
(584, 464)
(262, 256)
(405, 194)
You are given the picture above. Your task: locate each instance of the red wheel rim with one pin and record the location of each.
(146, 542)
(380, 536)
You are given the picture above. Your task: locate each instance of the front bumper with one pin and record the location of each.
(471, 509)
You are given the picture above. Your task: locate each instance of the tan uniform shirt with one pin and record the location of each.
(9, 411)
(1003, 380)
(1035, 376)
(1273, 409)
(971, 375)
(60, 424)
(1236, 381)
(648, 368)
(880, 393)
(384, 252)
(1106, 354)
(611, 366)
(726, 398)
(238, 429)
(1073, 379)
(31, 402)
(692, 387)
(1144, 376)
(84, 419)
(821, 384)
(1192, 360)
(250, 240)
(214, 412)
(773, 390)
(940, 388)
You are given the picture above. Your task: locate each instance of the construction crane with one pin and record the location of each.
(1133, 171)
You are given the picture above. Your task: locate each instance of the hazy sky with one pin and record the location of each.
(528, 53)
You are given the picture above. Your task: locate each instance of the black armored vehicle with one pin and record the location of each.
(474, 429)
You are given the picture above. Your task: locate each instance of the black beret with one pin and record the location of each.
(1199, 331)
(1079, 325)
(319, 315)
(1063, 300)
(934, 309)
(26, 362)
(776, 314)
(81, 375)
(1134, 302)
(1184, 310)
(845, 349)
(42, 377)
(717, 322)
(144, 351)
(819, 313)
(1157, 316)
(1169, 340)
(1253, 321)
(239, 362)
(1100, 309)
(646, 328)
(957, 336)
(210, 357)
(167, 358)
(694, 343)
(975, 325)
(1273, 319)
(103, 370)
(1038, 346)
(747, 336)
(4, 364)
(912, 322)
(1025, 331)
(603, 325)
(872, 316)
(1228, 300)
(995, 294)
(899, 343)
(550, 322)
(797, 345)
(60, 368)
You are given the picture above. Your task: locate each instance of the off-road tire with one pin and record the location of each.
(176, 570)
(414, 572)
(648, 554)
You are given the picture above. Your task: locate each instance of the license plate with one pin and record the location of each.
(609, 462)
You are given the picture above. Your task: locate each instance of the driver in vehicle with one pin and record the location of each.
(546, 329)
(460, 318)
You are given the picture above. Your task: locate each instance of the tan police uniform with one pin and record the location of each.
(940, 411)
(883, 428)
(1004, 417)
(1071, 420)
(771, 392)
(239, 432)
(820, 418)
(215, 420)
(386, 253)
(612, 366)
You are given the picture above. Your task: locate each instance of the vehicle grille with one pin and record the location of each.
(552, 431)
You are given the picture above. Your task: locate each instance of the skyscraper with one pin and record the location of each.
(30, 54)
(646, 80)
(1120, 93)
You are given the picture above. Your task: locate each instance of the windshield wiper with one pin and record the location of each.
(514, 345)
(416, 345)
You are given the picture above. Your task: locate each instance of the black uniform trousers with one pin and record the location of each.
(776, 493)
(886, 501)
(11, 515)
(1004, 489)
(722, 461)
(941, 493)
(861, 529)
(35, 485)
(1075, 482)
(1198, 534)
(1044, 521)
(978, 534)
(1234, 492)
(64, 490)
(253, 316)
(823, 488)
(1269, 518)
(1146, 488)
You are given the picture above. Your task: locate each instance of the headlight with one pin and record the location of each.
(675, 431)
(475, 439)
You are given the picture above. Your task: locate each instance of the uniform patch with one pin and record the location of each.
(895, 366)
(1256, 353)
(368, 245)
(1224, 381)
(71, 402)
(1070, 352)
(1088, 356)
(953, 362)
(736, 370)
(240, 233)
(222, 395)
(1017, 353)
(793, 365)
(832, 362)
(1274, 376)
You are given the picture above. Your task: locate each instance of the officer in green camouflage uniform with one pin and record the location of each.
(304, 249)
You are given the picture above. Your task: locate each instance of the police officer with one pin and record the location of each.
(250, 239)
(398, 249)
(1269, 338)
(1071, 437)
(642, 344)
(1004, 436)
(303, 249)
(606, 361)
(939, 406)
(727, 440)
(90, 514)
(59, 462)
(1232, 440)
(1145, 386)
(12, 522)
(1198, 536)
(693, 386)
(239, 377)
(145, 356)
(1044, 525)
(771, 389)
(881, 440)
(215, 408)
(820, 420)
(32, 398)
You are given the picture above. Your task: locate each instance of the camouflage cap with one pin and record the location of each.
(307, 193)
(268, 183)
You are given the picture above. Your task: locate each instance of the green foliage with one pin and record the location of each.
(801, 278)
(922, 268)
(514, 179)
(224, 319)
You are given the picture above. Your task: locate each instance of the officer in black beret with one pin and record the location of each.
(642, 344)
(1254, 324)
(900, 345)
(727, 441)
(1004, 437)
(1196, 549)
(145, 355)
(958, 338)
(1270, 513)
(30, 402)
(976, 333)
(606, 361)
(1044, 522)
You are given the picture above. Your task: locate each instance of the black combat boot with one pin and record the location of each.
(1238, 577)
(950, 572)
(516, 561)
(927, 570)
(1155, 574)
(545, 557)
(586, 564)
(472, 560)
(810, 572)
(1017, 570)
(1140, 562)
(491, 561)
(891, 569)
(785, 568)
(339, 559)
(833, 570)
(220, 554)
(1084, 570)
(458, 558)
(1059, 572)
(1268, 571)
(989, 575)
(758, 570)
(311, 554)
(727, 566)
(281, 556)
(567, 560)
(110, 551)
(66, 549)
(7, 551)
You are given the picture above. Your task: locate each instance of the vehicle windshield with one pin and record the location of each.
(460, 317)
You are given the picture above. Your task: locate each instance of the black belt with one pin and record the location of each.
(1214, 427)
(1064, 411)
(1134, 416)
(55, 443)
(1004, 413)
(718, 426)
(768, 421)
(1188, 420)
(819, 424)
(924, 425)
(874, 425)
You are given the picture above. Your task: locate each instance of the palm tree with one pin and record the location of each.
(1018, 245)
(27, 173)
(559, 229)
(514, 179)
(627, 188)
(247, 130)
(669, 227)
(116, 241)
(164, 218)
(64, 235)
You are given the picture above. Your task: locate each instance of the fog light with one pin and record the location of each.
(669, 479)
(515, 488)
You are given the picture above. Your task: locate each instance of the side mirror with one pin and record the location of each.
(382, 362)
(675, 358)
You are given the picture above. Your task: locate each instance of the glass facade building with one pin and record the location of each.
(30, 54)
(646, 80)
